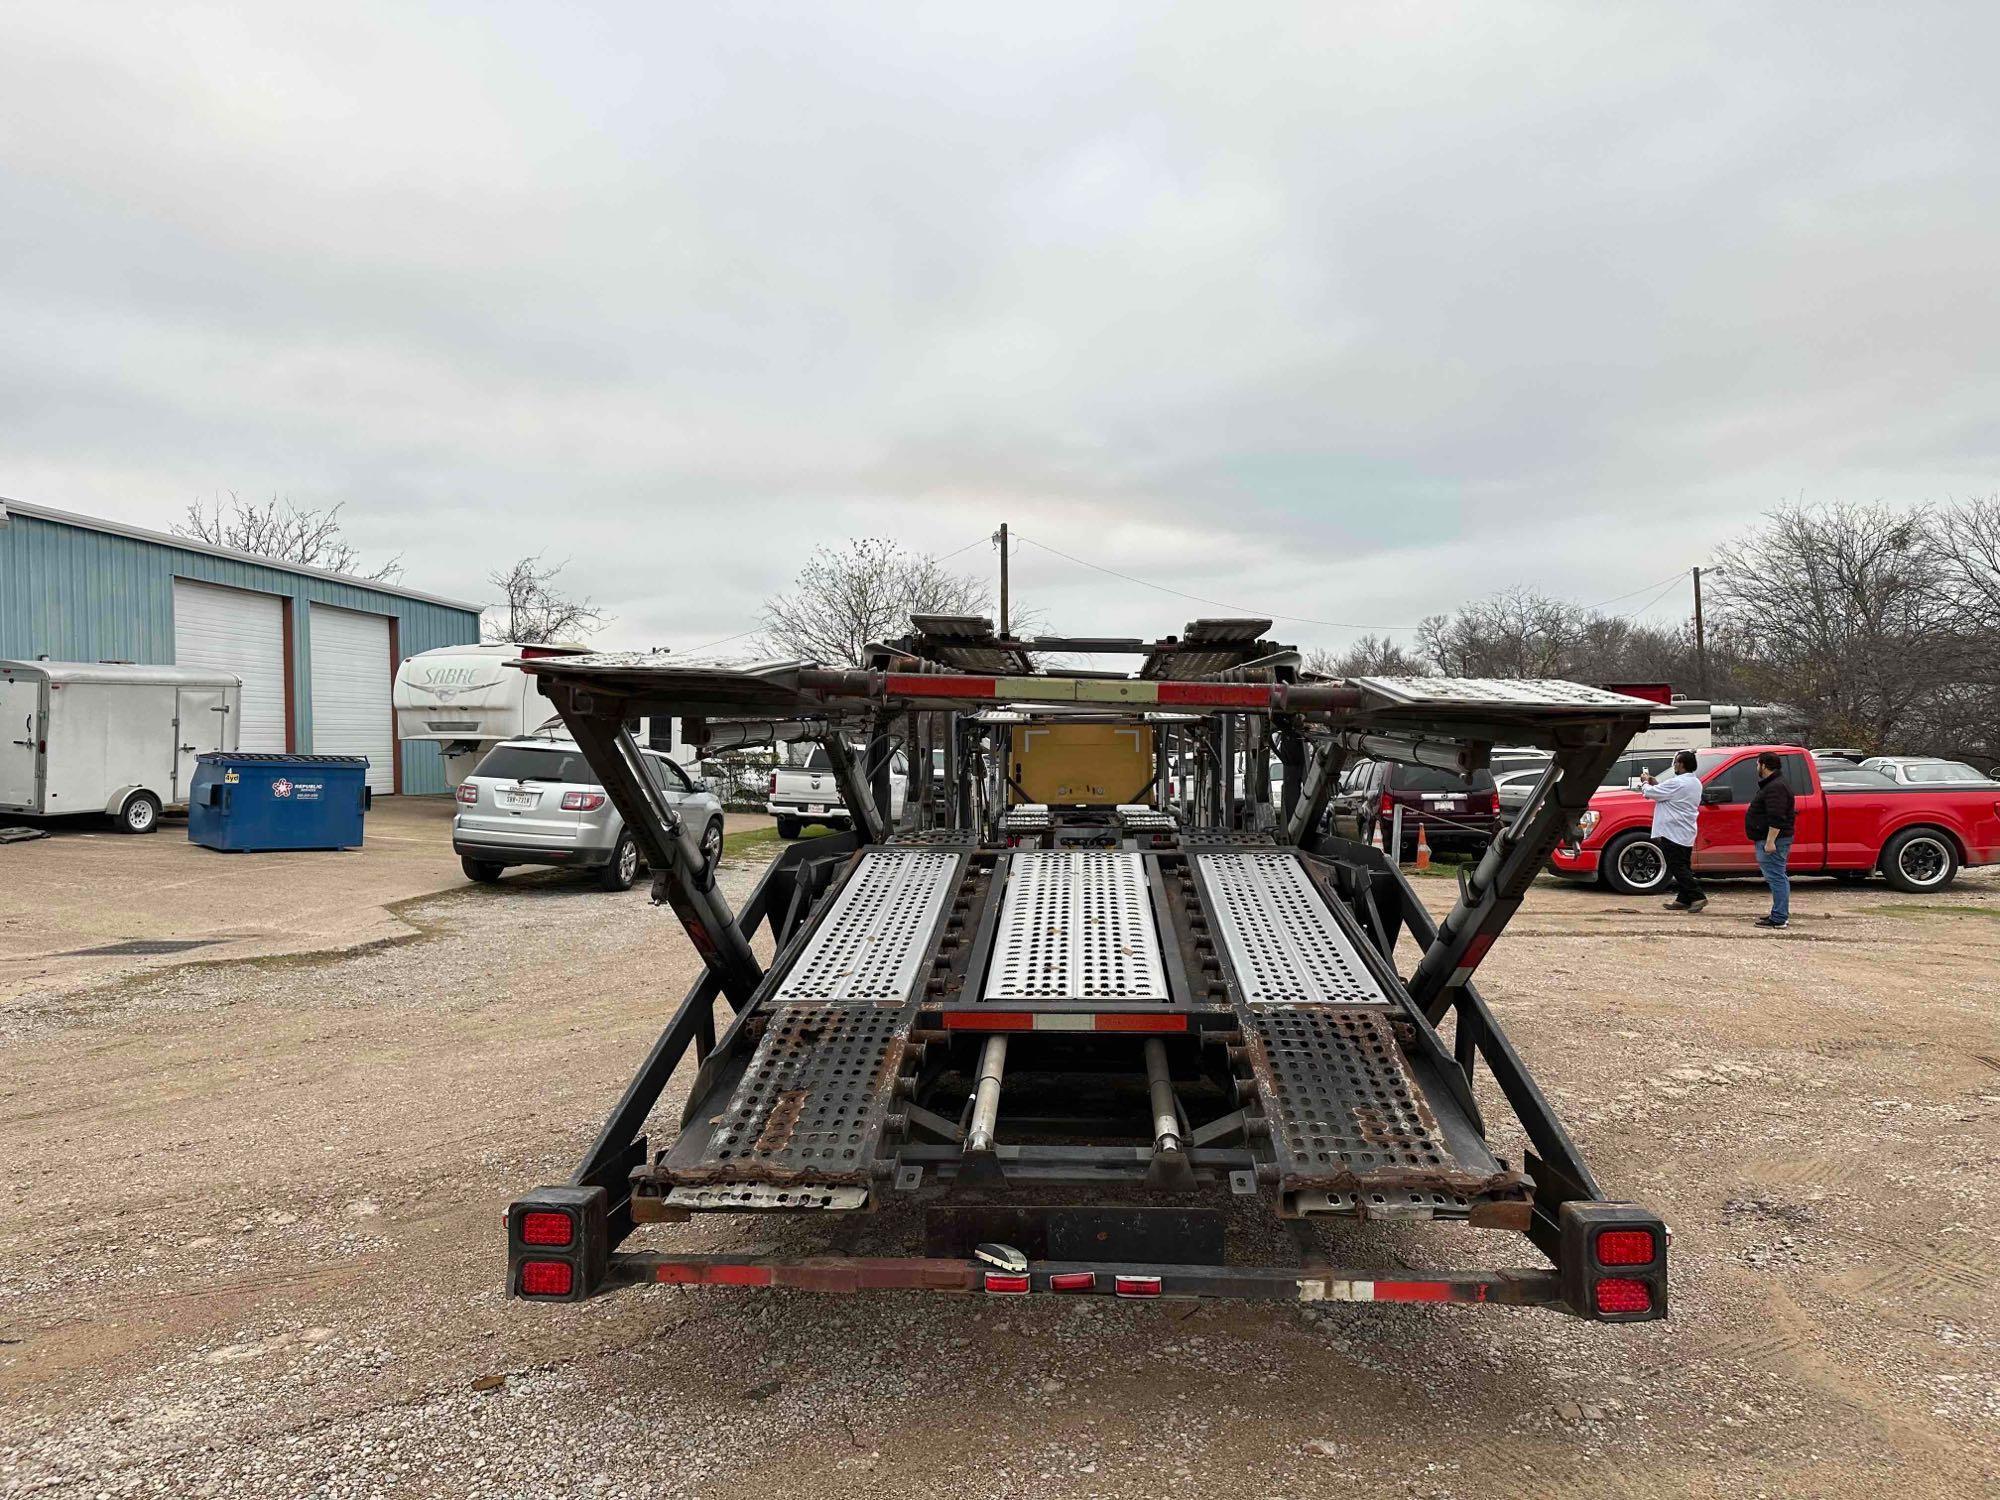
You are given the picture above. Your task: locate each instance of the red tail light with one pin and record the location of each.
(1073, 1281)
(1003, 1285)
(546, 1278)
(1625, 1247)
(467, 792)
(1493, 802)
(1617, 1294)
(773, 790)
(546, 1227)
(1388, 806)
(582, 801)
(1136, 1286)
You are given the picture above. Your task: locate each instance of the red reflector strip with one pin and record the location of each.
(988, 1020)
(1411, 1291)
(1139, 1021)
(1617, 1294)
(1136, 1286)
(1625, 1247)
(1073, 1281)
(1000, 1284)
(541, 1226)
(1216, 694)
(684, 1274)
(922, 685)
(979, 1018)
(547, 1278)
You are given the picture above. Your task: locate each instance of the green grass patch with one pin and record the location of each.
(1938, 909)
(753, 840)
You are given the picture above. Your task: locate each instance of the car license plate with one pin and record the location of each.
(815, 807)
(519, 799)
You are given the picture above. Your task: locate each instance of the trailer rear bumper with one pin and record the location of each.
(1612, 1268)
(1132, 1280)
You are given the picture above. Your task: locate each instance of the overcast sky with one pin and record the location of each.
(1346, 313)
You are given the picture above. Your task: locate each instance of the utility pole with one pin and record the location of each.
(1700, 639)
(1001, 539)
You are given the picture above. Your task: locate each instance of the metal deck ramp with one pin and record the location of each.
(1351, 1127)
(812, 1102)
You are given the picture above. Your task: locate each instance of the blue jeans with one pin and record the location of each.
(1772, 863)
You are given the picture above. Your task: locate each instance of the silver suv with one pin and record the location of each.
(537, 802)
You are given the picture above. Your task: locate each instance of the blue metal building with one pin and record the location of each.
(317, 651)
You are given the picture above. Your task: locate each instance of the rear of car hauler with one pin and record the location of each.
(1054, 1045)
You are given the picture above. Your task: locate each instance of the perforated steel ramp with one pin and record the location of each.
(1076, 924)
(811, 1104)
(1282, 941)
(868, 948)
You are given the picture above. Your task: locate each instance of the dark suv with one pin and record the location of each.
(1457, 812)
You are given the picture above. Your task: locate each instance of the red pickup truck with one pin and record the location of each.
(1918, 837)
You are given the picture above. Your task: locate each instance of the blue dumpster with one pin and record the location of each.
(245, 801)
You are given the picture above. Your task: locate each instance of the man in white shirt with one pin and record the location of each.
(1676, 814)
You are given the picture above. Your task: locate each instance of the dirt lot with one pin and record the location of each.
(251, 1243)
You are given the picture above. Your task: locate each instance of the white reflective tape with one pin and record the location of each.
(1328, 1289)
(1053, 1020)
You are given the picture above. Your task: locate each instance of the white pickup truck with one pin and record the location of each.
(804, 790)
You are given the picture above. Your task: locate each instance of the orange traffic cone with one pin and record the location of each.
(1423, 849)
(1375, 838)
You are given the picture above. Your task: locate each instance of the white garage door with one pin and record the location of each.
(351, 678)
(235, 630)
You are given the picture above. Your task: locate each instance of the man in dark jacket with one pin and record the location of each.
(1768, 820)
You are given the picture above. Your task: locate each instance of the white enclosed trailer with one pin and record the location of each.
(102, 737)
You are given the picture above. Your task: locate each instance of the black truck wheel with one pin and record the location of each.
(1635, 866)
(789, 828)
(482, 870)
(140, 814)
(1920, 859)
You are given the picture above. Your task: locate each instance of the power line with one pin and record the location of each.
(1628, 614)
(1204, 599)
(1673, 578)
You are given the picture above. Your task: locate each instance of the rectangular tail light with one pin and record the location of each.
(547, 1227)
(1626, 1247)
(1000, 1284)
(582, 801)
(547, 1278)
(1136, 1286)
(1621, 1296)
(467, 792)
(1073, 1281)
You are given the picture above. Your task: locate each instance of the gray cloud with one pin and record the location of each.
(1347, 313)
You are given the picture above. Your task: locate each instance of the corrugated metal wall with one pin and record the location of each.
(80, 595)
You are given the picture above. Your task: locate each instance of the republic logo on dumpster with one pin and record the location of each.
(281, 788)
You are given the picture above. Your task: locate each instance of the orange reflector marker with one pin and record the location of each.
(1136, 1286)
(547, 1278)
(1000, 1284)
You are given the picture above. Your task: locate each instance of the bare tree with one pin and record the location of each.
(846, 597)
(1370, 656)
(309, 536)
(531, 608)
(1848, 617)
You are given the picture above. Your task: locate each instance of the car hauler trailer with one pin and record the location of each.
(1065, 1040)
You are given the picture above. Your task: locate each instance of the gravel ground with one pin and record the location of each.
(251, 1245)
